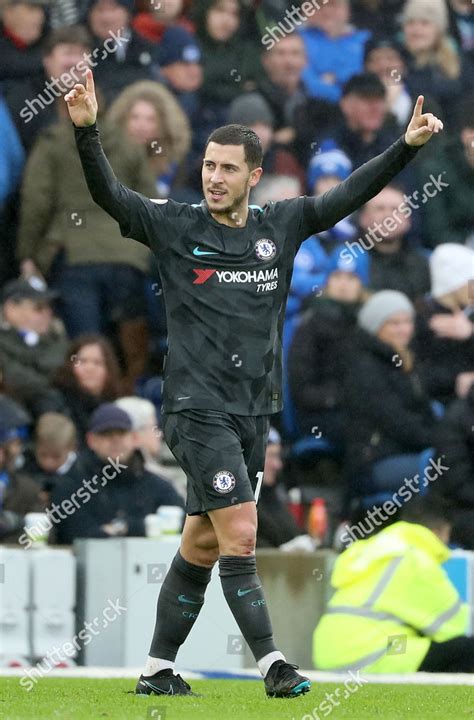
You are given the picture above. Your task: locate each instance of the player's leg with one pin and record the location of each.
(236, 531)
(179, 603)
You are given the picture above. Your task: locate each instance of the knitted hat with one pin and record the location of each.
(250, 108)
(380, 307)
(341, 260)
(433, 10)
(451, 267)
(330, 160)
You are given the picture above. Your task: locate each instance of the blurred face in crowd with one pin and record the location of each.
(50, 457)
(24, 21)
(325, 183)
(462, 6)
(183, 76)
(143, 124)
(168, 10)
(226, 178)
(420, 35)
(343, 286)
(364, 114)
(265, 134)
(284, 63)
(387, 64)
(397, 331)
(63, 58)
(148, 438)
(223, 20)
(112, 444)
(331, 18)
(467, 139)
(273, 463)
(107, 16)
(28, 315)
(90, 369)
(382, 206)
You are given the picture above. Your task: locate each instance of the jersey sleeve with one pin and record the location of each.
(324, 211)
(139, 217)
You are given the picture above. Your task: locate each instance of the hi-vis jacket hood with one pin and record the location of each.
(364, 558)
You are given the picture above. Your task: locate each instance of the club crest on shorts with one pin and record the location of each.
(224, 481)
(265, 249)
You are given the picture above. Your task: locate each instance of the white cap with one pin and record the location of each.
(451, 267)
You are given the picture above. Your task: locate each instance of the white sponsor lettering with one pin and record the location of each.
(247, 276)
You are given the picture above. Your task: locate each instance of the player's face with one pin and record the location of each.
(226, 178)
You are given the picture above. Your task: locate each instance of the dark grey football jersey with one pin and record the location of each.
(225, 289)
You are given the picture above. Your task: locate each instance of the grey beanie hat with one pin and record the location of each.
(250, 108)
(378, 308)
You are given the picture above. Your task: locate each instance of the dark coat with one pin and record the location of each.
(406, 271)
(131, 495)
(388, 410)
(276, 524)
(440, 359)
(456, 445)
(22, 496)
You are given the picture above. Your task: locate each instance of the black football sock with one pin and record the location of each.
(244, 594)
(179, 603)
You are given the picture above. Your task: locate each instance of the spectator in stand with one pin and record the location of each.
(88, 377)
(153, 22)
(99, 275)
(124, 493)
(36, 100)
(19, 494)
(12, 158)
(128, 57)
(385, 57)
(455, 445)
(252, 110)
(393, 263)
(364, 129)
(320, 350)
(449, 215)
(229, 60)
(390, 421)
(148, 114)
(432, 58)
(54, 452)
(392, 588)
(181, 70)
(379, 16)
(148, 440)
(444, 341)
(335, 49)
(462, 25)
(276, 526)
(23, 25)
(32, 343)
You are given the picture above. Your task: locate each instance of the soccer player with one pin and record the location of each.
(225, 269)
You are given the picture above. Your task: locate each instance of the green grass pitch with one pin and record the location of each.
(86, 699)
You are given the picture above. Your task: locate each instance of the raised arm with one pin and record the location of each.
(131, 209)
(369, 179)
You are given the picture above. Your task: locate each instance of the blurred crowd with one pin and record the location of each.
(378, 335)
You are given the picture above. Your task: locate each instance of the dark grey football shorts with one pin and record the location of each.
(222, 455)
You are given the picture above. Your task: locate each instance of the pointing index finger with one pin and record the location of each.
(90, 82)
(418, 106)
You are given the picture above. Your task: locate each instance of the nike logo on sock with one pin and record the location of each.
(241, 593)
(184, 599)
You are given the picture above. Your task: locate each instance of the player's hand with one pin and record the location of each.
(422, 125)
(82, 102)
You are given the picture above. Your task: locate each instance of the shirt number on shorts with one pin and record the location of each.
(259, 485)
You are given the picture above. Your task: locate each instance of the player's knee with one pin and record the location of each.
(240, 540)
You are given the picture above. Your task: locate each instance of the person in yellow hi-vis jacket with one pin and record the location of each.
(394, 609)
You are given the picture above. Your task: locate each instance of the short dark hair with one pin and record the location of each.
(367, 85)
(69, 35)
(239, 135)
(433, 511)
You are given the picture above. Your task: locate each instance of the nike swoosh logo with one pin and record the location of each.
(184, 599)
(158, 690)
(196, 251)
(241, 593)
